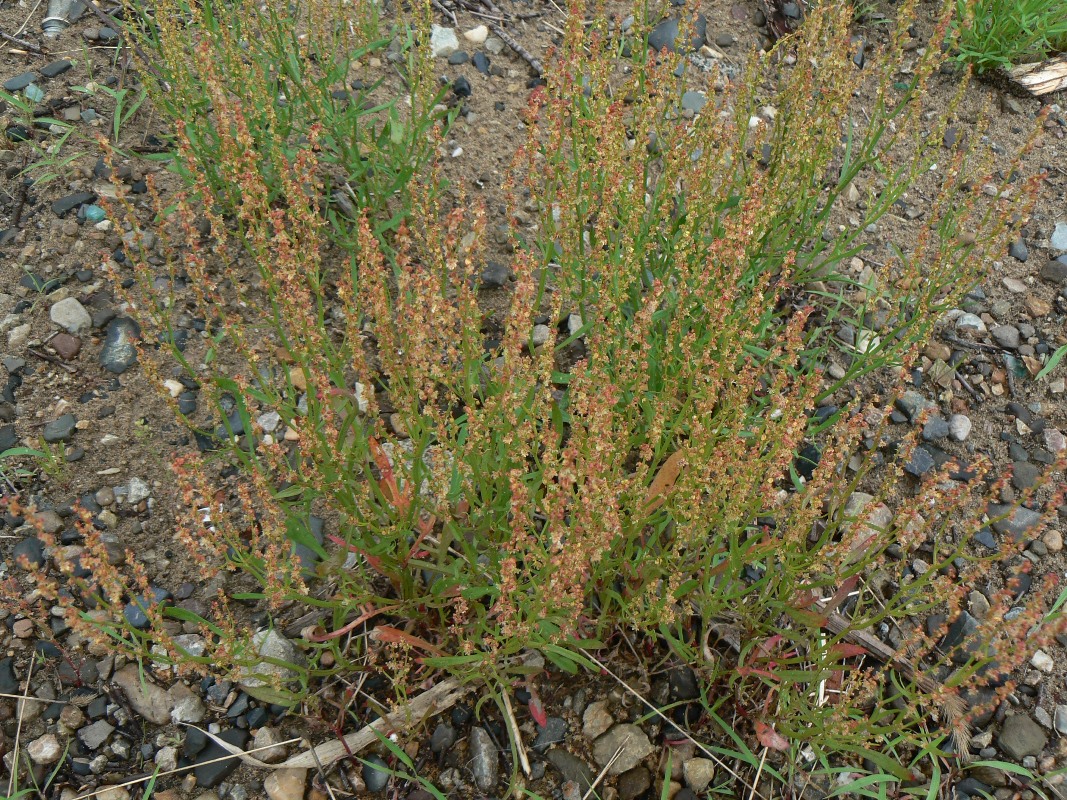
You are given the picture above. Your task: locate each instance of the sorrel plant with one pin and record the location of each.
(623, 461)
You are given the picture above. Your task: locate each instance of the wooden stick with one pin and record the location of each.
(433, 701)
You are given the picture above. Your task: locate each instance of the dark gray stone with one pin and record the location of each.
(920, 463)
(959, 639)
(458, 57)
(683, 684)
(210, 775)
(119, 352)
(376, 773)
(9, 684)
(30, 551)
(571, 768)
(481, 63)
(1017, 523)
(912, 404)
(1024, 475)
(19, 82)
(495, 275)
(1019, 251)
(8, 438)
(1054, 271)
(552, 733)
(55, 68)
(444, 736)
(64, 205)
(935, 428)
(1021, 736)
(665, 35)
(461, 87)
(135, 610)
(59, 430)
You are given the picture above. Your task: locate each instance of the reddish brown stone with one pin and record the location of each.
(66, 346)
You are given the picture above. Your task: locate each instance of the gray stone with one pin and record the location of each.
(1054, 271)
(959, 427)
(286, 784)
(1019, 251)
(935, 428)
(495, 275)
(633, 742)
(443, 737)
(633, 783)
(1060, 719)
(137, 490)
(552, 733)
(1006, 336)
(571, 768)
(970, 322)
(59, 430)
(271, 644)
(93, 736)
(913, 404)
(1016, 523)
(1058, 240)
(699, 773)
(147, 699)
(19, 82)
(270, 740)
(1020, 736)
(71, 316)
(665, 35)
(56, 68)
(65, 204)
(694, 101)
(1024, 475)
(485, 763)
(443, 41)
(45, 750)
(119, 352)
(597, 719)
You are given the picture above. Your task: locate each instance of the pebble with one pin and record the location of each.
(461, 87)
(1060, 718)
(1053, 540)
(211, 766)
(477, 35)
(1058, 240)
(1055, 442)
(66, 346)
(286, 784)
(571, 768)
(597, 719)
(1021, 736)
(935, 428)
(1017, 522)
(270, 739)
(119, 352)
(1043, 661)
(56, 68)
(554, 732)
(45, 750)
(443, 41)
(70, 315)
(699, 773)
(60, 430)
(485, 763)
(19, 82)
(1054, 271)
(959, 427)
(633, 742)
(1006, 336)
(970, 322)
(271, 644)
(495, 275)
(64, 205)
(1024, 475)
(665, 34)
(93, 736)
(1019, 251)
(1014, 285)
(148, 699)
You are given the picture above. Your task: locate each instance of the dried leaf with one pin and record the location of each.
(387, 633)
(770, 738)
(664, 481)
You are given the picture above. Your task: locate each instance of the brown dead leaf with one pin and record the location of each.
(664, 481)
